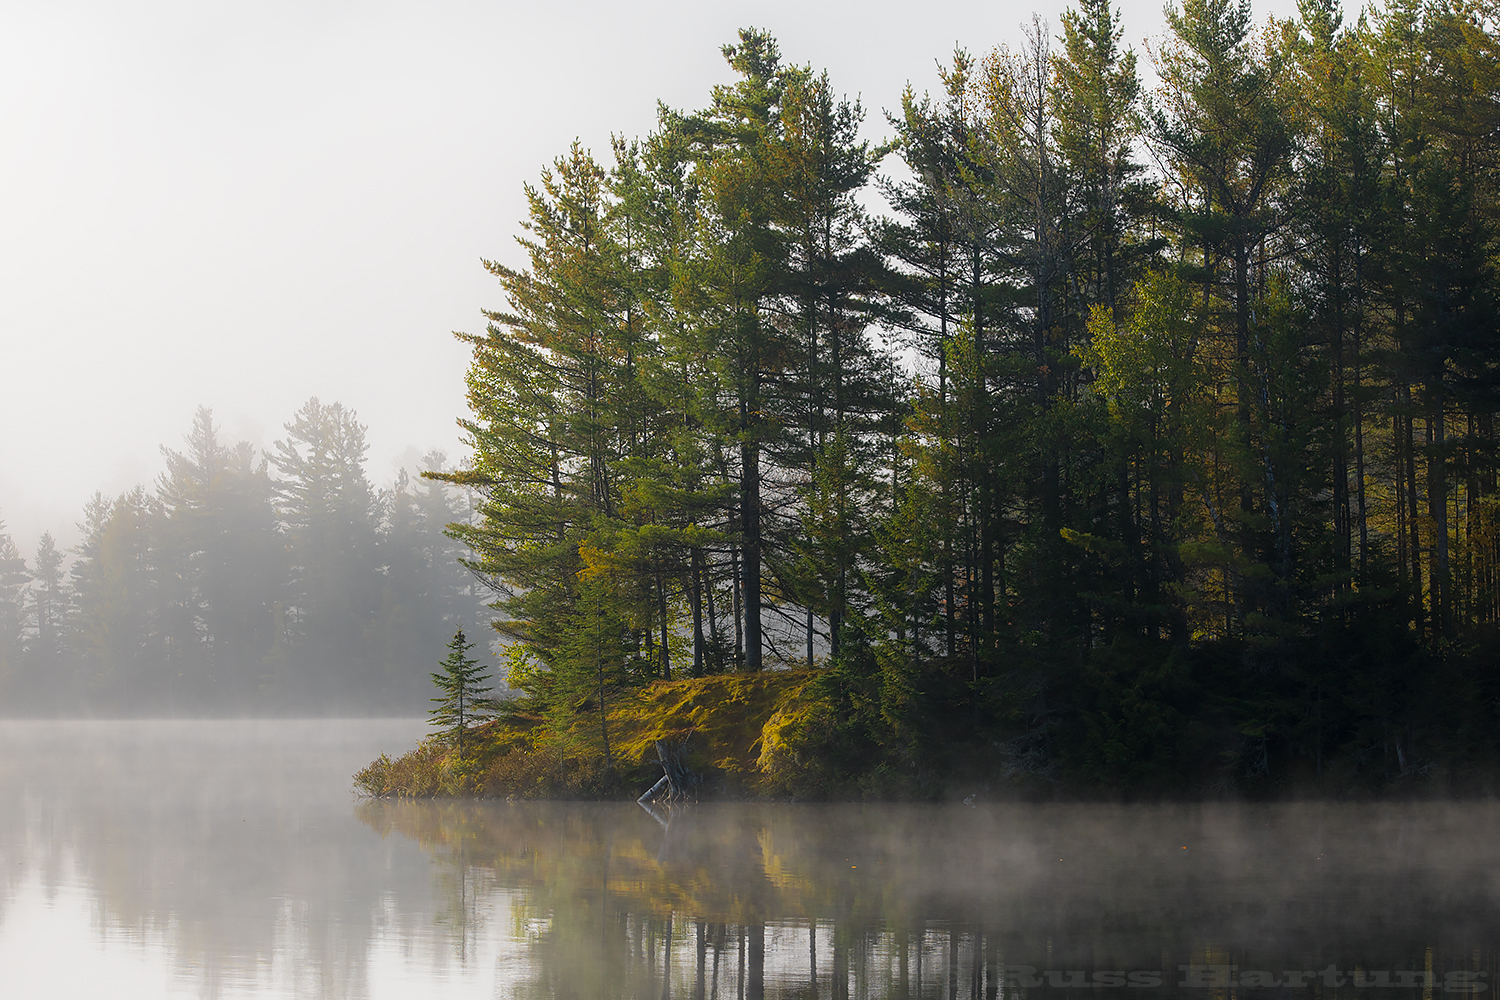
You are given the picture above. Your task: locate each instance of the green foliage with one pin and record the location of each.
(1070, 475)
(1167, 442)
(722, 721)
(462, 686)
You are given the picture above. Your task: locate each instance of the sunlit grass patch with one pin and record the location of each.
(718, 720)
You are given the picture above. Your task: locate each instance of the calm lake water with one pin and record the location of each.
(230, 859)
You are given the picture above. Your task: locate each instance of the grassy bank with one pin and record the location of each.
(1356, 714)
(727, 724)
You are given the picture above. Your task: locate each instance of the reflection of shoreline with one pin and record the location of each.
(1018, 897)
(220, 852)
(1218, 977)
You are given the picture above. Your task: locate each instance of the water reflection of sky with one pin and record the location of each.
(54, 944)
(230, 860)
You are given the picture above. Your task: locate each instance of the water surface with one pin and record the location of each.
(230, 859)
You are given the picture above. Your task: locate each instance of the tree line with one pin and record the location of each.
(282, 582)
(1145, 438)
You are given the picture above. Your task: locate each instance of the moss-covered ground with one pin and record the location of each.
(720, 723)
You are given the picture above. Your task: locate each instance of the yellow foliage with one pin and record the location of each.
(776, 753)
(1147, 362)
(596, 561)
(721, 718)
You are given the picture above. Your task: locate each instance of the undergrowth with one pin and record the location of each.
(718, 722)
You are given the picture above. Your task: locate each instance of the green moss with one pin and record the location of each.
(721, 721)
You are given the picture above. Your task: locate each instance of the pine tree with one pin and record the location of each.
(548, 425)
(223, 558)
(329, 509)
(463, 683)
(1335, 199)
(835, 393)
(1097, 95)
(14, 578)
(1221, 123)
(741, 272)
(47, 610)
(115, 586)
(925, 284)
(425, 590)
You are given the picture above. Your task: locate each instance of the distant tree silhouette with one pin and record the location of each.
(13, 580)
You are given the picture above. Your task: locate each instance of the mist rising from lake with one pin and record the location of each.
(214, 859)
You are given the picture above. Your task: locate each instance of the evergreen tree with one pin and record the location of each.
(742, 271)
(46, 616)
(1336, 199)
(223, 562)
(13, 581)
(462, 702)
(1097, 95)
(1221, 122)
(116, 637)
(545, 389)
(838, 398)
(923, 244)
(329, 509)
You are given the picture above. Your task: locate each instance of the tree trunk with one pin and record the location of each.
(750, 572)
(661, 606)
(696, 594)
(739, 619)
(756, 985)
(713, 618)
(1437, 504)
(1413, 525)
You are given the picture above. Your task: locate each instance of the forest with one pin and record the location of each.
(1086, 435)
(1083, 436)
(243, 584)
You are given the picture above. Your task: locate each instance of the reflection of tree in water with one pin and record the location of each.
(221, 842)
(218, 840)
(809, 901)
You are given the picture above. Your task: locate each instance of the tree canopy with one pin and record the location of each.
(1144, 439)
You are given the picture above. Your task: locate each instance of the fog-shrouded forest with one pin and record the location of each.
(1083, 434)
(243, 583)
(1139, 438)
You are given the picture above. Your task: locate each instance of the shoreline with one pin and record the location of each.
(741, 737)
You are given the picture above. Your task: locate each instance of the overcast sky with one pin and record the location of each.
(244, 205)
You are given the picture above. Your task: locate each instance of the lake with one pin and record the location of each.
(231, 859)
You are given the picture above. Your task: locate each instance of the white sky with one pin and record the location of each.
(244, 205)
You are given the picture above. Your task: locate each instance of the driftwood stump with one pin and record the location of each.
(678, 783)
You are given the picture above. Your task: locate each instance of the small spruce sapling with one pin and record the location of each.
(463, 686)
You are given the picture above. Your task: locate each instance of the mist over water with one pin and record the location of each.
(230, 859)
(949, 902)
(187, 858)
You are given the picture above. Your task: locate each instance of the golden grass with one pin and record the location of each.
(720, 719)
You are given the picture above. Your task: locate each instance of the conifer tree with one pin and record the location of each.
(742, 271)
(923, 244)
(328, 507)
(46, 611)
(1335, 198)
(546, 392)
(462, 702)
(14, 578)
(220, 533)
(116, 611)
(1098, 122)
(837, 394)
(1221, 123)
